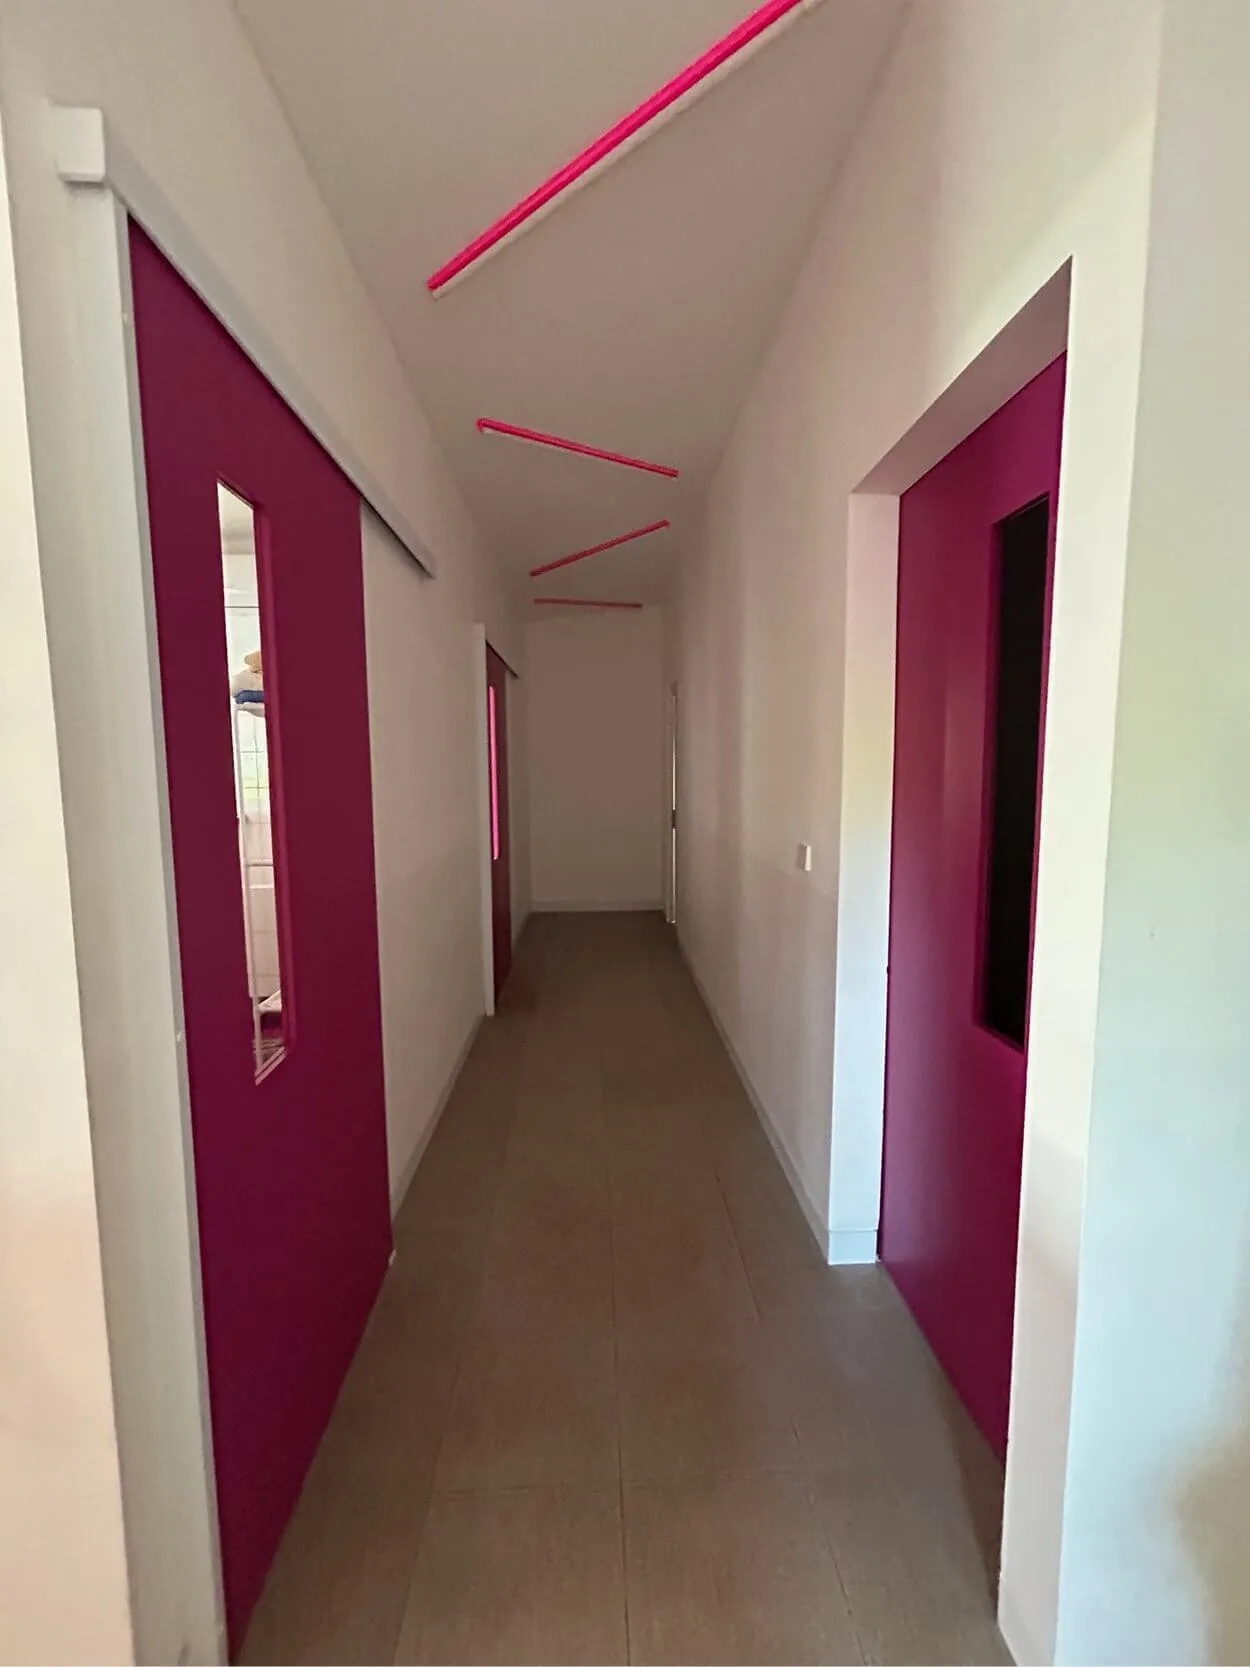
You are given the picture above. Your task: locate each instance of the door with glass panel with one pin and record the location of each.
(256, 566)
(976, 554)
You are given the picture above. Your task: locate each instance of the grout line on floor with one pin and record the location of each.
(632, 1035)
(462, 1345)
(837, 1567)
(733, 1233)
(616, 1376)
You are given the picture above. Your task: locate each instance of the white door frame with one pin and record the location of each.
(100, 602)
(482, 730)
(126, 939)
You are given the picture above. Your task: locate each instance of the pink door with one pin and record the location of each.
(260, 627)
(976, 544)
(500, 841)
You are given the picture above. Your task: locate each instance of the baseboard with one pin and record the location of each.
(400, 1189)
(828, 1242)
(849, 1249)
(574, 908)
(1020, 1647)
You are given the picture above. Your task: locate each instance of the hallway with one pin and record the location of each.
(611, 1405)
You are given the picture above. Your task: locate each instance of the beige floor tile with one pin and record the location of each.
(678, 1269)
(662, 1134)
(456, 1181)
(835, 1426)
(917, 1586)
(732, 1570)
(785, 1269)
(757, 1195)
(601, 1264)
(529, 1576)
(539, 1278)
(690, 1407)
(564, 1070)
(438, 1273)
(667, 1198)
(530, 1409)
(638, 1078)
(337, 1588)
(393, 1403)
(485, 1092)
(551, 1196)
(571, 1116)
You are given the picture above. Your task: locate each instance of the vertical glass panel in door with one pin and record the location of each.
(250, 729)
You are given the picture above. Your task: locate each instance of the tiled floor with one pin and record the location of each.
(611, 1405)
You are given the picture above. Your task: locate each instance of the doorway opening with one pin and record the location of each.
(975, 549)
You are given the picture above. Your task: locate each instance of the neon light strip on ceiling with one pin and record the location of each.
(579, 602)
(597, 549)
(510, 431)
(627, 132)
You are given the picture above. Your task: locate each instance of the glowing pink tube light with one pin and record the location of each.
(579, 602)
(488, 425)
(682, 85)
(597, 549)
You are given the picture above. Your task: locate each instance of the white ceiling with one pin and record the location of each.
(632, 316)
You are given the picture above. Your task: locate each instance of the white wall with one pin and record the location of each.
(1004, 140)
(423, 703)
(182, 90)
(594, 695)
(62, 1557)
(1157, 1518)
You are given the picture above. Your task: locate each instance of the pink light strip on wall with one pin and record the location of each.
(597, 549)
(682, 85)
(579, 602)
(488, 425)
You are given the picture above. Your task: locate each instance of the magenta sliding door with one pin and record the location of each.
(260, 623)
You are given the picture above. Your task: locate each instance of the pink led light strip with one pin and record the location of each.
(579, 602)
(488, 425)
(683, 84)
(596, 549)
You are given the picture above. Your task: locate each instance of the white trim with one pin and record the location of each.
(399, 1188)
(126, 928)
(486, 899)
(827, 1242)
(1027, 342)
(1015, 1634)
(90, 155)
(654, 905)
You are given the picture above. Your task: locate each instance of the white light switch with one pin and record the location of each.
(805, 859)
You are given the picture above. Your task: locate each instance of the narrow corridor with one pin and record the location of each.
(611, 1405)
